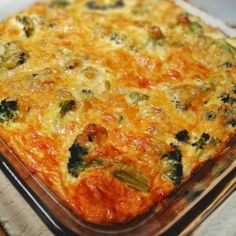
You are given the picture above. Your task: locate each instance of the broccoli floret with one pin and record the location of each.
(92, 5)
(59, 4)
(12, 56)
(66, 106)
(196, 28)
(179, 102)
(226, 98)
(172, 165)
(22, 57)
(136, 97)
(117, 38)
(8, 111)
(182, 136)
(76, 162)
(210, 115)
(201, 143)
(227, 65)
(232, 123)
(28, 25)
(234, 88)
(133, 180)
(214, 141)
(227, 47)
(87, 94)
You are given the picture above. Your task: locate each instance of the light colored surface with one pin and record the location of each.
(222, 221)
(10, 7)
(16, 215)
(19, 219)
(224, 10)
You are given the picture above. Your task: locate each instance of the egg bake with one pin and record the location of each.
(113, 104)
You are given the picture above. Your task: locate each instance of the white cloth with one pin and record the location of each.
(16, 216)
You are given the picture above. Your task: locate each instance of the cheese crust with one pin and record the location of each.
(113, 104)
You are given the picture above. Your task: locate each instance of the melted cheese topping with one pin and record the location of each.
(145, 91)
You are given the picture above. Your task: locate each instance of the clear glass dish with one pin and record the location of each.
(187, 207)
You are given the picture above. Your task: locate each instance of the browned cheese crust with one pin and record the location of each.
(113, 104)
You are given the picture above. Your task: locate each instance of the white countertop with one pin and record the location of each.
(16, 216)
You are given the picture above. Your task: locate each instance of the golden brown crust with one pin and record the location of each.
(116, 105)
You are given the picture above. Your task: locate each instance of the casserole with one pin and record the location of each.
(135, 96)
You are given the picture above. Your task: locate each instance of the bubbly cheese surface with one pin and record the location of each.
(113, 104)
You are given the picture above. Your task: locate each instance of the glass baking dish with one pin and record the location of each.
(187, 207)
(182, 212)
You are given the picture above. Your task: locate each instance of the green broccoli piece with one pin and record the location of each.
(234, 88)
(201, 143)
(66, 106)
(227, 65)
(172, 165)
(28, 25)
(182, 136)
(76, 162)
(95, 163)
(87, 94)
(117, 38)
(210, 115)
(136, 97)
(232, 123)
(8, 111)
(134, 181)
(92, 5)
(59, 4)
(227, 47)
(12, 56)
(226, 98)
(196, 28)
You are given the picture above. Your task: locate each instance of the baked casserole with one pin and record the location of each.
(114, 103)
